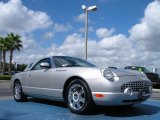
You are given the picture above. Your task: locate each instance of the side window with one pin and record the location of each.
(37, 65)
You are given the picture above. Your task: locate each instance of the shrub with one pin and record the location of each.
(5, 77)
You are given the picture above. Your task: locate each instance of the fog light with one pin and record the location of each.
(128, 91)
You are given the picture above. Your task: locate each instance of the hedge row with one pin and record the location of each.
(5, 77)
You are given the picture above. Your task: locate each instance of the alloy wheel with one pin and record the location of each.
(17, 91)
(76, 96)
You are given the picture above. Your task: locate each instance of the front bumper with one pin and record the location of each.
(114, 99)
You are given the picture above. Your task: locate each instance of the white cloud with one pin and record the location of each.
(48, 35)
(73, 45)
(119, 50)
(15, 17)
(117, 42)
(90, 29)
(62, 28)
(81, 18)
(141, 47)
(106, 55)
(30, 51)
(28, 42)
(104, 32)
(146, 34)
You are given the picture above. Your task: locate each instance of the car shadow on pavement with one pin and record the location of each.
(131, 111)
(126, 111)
(48, 102)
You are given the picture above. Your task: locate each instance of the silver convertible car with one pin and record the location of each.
(80, 84)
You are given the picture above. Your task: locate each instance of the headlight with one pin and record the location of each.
(108, 74)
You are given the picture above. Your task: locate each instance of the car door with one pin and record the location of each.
(41, 81)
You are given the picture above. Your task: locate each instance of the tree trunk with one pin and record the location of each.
(10, 61)
(0, 61)
(4, 62)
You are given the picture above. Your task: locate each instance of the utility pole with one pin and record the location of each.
(86, 10)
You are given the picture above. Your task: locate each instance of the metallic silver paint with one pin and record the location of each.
(49, 83)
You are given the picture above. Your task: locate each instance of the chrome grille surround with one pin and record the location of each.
(136, 86)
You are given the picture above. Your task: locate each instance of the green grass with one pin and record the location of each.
(5, 77)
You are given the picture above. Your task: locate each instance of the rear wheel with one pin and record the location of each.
(79, 98)
(18, 94)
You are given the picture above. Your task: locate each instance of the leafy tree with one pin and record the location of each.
(21, 67)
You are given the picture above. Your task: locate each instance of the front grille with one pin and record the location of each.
(136, 86)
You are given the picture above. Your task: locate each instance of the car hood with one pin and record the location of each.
(116, 72)
(122, 72)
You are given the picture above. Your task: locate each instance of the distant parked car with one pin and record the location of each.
(151, 76)
(12, 73)
(80, 84)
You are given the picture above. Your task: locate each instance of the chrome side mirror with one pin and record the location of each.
(45, 65)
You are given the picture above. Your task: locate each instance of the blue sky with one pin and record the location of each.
(118, 14)
(121, 32)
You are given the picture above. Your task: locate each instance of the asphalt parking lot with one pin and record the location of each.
(48, 110)
(35, 109)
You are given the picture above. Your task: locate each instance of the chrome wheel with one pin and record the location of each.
(17, 91)
(18, 94)
(76, 96)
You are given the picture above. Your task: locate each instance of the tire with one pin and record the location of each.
(79, 98)
(18, 94)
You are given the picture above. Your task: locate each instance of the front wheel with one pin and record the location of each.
(18, 93)
(79, 98)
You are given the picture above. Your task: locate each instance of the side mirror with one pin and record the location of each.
(45, 65)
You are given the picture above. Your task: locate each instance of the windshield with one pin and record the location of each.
(146, 70)
(63, 61)
(140, 69)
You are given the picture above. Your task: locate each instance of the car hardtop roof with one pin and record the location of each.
(35, 61)
(65, 56)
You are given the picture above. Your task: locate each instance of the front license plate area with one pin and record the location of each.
(143, 94)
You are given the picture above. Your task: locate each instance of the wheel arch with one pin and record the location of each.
(70, 80)
(16, 80)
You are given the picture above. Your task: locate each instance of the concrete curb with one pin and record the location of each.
(6, 97)
(4, 80)
(156, 90)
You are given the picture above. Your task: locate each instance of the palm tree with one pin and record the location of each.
(0, 55)
(3, 43)
(14, 43)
